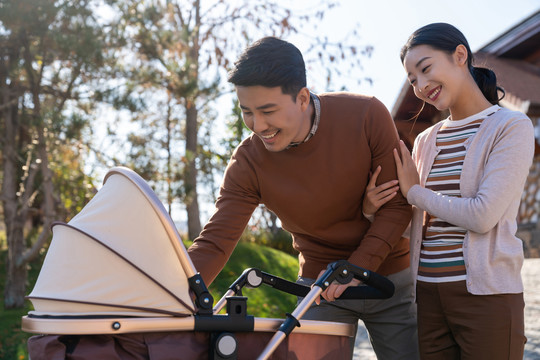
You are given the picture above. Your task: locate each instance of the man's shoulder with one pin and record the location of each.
(359, 104)
(345, 96)
(250, 147)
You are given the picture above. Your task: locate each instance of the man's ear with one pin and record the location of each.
(303, 98)
(461, 55)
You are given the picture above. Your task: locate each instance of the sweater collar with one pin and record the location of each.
(317, 118)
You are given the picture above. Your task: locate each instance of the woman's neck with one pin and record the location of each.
(471, 102)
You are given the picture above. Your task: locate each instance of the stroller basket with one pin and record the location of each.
(117, 282)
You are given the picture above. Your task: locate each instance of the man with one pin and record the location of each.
(309, 160)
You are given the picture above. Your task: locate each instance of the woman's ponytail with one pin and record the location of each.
(487, 82)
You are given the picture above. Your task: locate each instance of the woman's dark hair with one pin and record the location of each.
(270, 62)
(445, 37)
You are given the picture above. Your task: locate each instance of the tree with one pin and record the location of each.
(184, 47)
(44, 64)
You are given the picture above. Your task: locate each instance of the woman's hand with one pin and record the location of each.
(377, 196)
(335, 289)
(406, 170)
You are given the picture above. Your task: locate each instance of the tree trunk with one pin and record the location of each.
(48, 206)
(168, 125)
(16, 274)
(15, 287)
(190, 179)
(192, 130)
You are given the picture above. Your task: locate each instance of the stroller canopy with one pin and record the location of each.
(120, 256)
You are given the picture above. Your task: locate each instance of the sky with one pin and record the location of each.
(386, 24)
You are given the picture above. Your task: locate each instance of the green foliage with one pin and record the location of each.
(12, 338)
(52, 52)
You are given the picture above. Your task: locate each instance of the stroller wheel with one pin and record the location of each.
(226, 345)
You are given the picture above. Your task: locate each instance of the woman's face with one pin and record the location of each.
(436, 76)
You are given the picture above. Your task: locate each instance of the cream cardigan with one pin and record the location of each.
(494, 172)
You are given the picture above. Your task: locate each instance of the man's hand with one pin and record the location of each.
(335, 289)
(377, 196)
(406, 170)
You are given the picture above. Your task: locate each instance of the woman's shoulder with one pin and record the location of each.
(505, 115)
(505, 118)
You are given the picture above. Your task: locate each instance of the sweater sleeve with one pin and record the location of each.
(236, 202)
(392, 218)
(502, 181)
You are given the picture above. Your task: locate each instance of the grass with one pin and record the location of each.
(262, 302)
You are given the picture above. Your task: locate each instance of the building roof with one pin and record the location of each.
(519, 79)
(519, 42)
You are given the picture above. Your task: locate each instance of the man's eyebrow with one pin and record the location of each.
(262, 107)
(419, 63)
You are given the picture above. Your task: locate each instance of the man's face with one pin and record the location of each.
(273, 116)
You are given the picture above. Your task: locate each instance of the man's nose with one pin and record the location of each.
(259, 124)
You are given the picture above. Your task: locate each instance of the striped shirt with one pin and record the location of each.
(441, 256)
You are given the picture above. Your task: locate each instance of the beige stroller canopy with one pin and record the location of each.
(121, 255)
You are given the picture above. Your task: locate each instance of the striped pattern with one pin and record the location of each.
(441, 257)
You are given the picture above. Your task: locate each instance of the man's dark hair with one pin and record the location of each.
(270, 62)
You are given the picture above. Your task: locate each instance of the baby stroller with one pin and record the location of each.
(117, 283)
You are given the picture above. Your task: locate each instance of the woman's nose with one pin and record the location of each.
(422, 85)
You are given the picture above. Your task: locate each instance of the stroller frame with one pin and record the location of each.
(202, 317)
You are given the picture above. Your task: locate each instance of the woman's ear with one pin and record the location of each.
(461, 55)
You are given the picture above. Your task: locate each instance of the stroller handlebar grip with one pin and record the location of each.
(375, 286)
(379, 287)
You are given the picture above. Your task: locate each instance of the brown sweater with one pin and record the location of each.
(316, 189)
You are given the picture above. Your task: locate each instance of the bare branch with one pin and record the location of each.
(31, 253)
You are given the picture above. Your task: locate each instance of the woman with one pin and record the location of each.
(465, 180)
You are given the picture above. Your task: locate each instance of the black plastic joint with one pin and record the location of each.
(237, 306)
(288, 325)
(203, 299)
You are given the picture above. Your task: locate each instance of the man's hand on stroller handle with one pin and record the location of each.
(335, 290)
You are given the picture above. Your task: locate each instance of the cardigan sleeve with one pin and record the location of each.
(504, 174)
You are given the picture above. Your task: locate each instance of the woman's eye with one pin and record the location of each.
(425, 69)
(412, 82)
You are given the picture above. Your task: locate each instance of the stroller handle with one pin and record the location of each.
(342, 272)
(378, 286)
